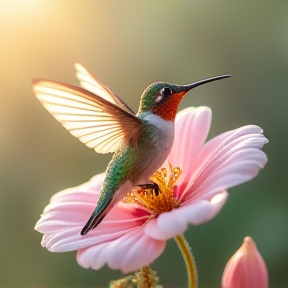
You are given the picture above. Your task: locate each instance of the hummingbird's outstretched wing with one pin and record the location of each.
(95, 121)
(91, 83)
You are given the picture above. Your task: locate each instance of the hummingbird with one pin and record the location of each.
(97, 117)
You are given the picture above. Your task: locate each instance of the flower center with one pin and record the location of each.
(159, 201)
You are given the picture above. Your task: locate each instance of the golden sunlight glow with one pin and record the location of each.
(23, 9)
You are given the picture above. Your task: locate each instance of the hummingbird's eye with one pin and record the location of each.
(166, 91)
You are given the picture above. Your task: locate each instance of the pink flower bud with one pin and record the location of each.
(246, 268)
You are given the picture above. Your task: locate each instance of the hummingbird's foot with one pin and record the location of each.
(152, 185)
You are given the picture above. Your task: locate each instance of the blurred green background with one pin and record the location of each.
(128, 45)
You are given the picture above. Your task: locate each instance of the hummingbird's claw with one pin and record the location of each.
(152, 185)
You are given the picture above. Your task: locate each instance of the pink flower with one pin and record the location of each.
(134, 233)
(246, 268)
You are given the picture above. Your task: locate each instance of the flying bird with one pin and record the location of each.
(97, 117)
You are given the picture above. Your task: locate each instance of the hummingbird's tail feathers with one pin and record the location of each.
(97, 216)
(88, 225)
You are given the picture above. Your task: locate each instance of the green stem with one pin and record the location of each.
(189, 260)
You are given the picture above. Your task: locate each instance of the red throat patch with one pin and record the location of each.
(168, 109)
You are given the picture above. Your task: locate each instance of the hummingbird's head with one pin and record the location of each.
(163, 98)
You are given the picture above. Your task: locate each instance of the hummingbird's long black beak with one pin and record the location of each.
(186, 88)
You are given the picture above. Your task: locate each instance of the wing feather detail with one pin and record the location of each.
(91, 83)
(96, 121)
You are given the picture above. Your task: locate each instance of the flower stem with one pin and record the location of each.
(189, 260)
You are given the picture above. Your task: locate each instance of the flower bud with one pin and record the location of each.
(246, 268)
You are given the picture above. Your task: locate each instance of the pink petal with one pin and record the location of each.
(167, 225)
(191, 128)
(66, 236)
(175, 222)
(245, 137)
(130, 252)
(63, 219)
(201, 211)
(86, 192)
(93, 257)
(234, 172)
(227, 160)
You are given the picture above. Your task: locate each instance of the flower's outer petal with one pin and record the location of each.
(249, 136)
(127, 253)
(234, 173)
(175, 222)
(68, 208)
(227, 160)
(217, 202)
(93, 257)
(64, 218)
(204, 210)
(86, 192)
(191, 128)
(66, 236)
(166, 225)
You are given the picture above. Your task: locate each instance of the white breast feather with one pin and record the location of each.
(159, 122)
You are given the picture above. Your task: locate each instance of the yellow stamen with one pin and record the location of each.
(164, 200)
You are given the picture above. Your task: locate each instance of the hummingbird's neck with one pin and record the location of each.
(168, 109)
